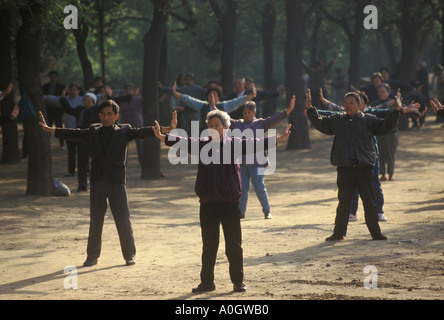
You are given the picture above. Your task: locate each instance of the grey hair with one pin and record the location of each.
(222, 115)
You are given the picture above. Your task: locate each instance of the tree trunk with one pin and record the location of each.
(355, 60)
(81, 34)
(442, 31)
(268, 25)
(389, 47)
(40, 181)
(165, 112)
(314, 39)
(150, 99)
(228, 25)
(355, 44)
(299, 137)
(101, 32)
(354, 36)
(11, 153)
(415, 29)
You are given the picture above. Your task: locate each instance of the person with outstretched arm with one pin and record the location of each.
(108, 144)
(218, 186)
(353, 153)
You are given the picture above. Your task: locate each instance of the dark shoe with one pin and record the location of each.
(131, 261)
(69, 174)
(240, 287)
(242, 216)
(379, 237)
(334, 237)
(81, 189)
(90, 262)
(204, 288)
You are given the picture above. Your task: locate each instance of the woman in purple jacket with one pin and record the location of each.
(218, 186)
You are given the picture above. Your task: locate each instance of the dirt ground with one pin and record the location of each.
(285, 258)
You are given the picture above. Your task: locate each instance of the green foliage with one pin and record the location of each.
(194, 39)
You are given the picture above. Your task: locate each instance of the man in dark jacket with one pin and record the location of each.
(108, 144)
(353, 153)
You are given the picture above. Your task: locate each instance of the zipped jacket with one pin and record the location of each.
(353, 133)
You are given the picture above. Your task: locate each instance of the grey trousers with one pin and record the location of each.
(115, 194)
(387, 148)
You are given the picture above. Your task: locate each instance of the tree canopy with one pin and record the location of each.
(145, 41)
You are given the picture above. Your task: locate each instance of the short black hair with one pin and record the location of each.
(385, 69)
(99, 78)
(75, 84)
(385, 85)
(110, 103)
(215, 89)
(377, 75)
(363, 96)
(353, 95)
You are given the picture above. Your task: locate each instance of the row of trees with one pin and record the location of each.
(174, 32)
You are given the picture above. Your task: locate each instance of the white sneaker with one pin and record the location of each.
(268, 216)
(382, 217)
(352, 218)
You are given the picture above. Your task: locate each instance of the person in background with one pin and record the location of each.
(438, 76)
(387, 143)
(371, 90)
(131, 112)
(187, 113)
(422, 76)
(317, 80)
(5, 118)
(250, 171)
(84, 119)
(54, 111)
(203, 107)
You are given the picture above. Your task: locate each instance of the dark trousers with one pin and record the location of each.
(54, 115)
(72, 153)
(83, 164)
(349, 179)
(212, 215)
(387, 149)
(118, 202)
(379, 196)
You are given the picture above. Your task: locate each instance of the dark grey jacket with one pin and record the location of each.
(109, 164)
(358, 130)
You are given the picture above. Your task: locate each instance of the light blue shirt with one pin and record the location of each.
(228, 105)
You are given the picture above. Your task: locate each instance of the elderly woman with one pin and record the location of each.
(218, 186)
(387, 143)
